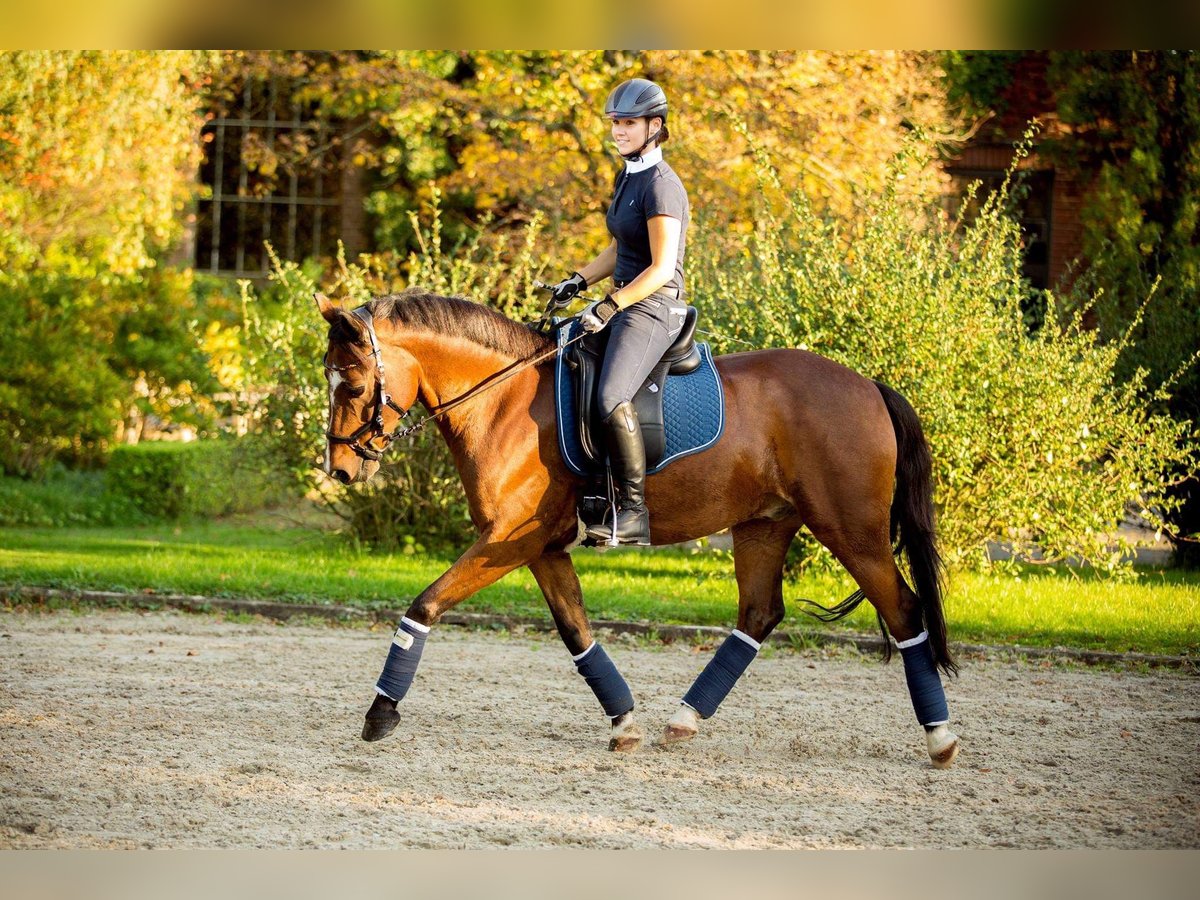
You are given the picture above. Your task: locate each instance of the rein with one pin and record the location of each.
(383, 398)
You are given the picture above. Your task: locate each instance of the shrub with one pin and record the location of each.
(75, 347)
(1034, 438)
(64, 498)
(59, 397)
(174, 480)
(414, 503)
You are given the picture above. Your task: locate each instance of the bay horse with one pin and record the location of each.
(807, 442)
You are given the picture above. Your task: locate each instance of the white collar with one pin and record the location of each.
(648, 160)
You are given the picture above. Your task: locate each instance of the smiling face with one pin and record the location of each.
(629, 134)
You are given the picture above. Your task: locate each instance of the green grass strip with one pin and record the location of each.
(1156, 612)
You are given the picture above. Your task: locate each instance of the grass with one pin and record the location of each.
(1156, 612)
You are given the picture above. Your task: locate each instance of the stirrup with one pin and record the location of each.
(605, 532)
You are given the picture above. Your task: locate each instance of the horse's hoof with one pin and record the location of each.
(683, 726)
(626, 735)
(379, 724)
(943, 746)
(674, 735)
(627, 742)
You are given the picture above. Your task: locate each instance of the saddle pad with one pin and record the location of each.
(693, 410)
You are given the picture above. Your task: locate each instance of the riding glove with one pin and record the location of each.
(596, 315)
(566, 291)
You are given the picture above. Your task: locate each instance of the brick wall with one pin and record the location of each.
(1066, 230)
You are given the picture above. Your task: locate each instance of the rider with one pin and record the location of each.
(648, 220)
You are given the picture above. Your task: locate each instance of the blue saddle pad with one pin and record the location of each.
(693, 410)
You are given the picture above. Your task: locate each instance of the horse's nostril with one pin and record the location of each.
(342, 475)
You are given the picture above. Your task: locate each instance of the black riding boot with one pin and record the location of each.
(627, 456)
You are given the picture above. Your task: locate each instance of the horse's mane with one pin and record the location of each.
(459, 317)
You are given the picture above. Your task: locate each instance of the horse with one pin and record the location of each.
(807, 443)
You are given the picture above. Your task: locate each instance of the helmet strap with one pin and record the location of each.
(637, 154)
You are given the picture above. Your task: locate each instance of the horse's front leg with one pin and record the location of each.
(555, 574)
(488, 559)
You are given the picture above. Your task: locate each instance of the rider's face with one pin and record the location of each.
(629, 134)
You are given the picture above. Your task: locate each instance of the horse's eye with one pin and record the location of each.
(355, 391)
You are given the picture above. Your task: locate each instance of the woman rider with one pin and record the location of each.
(648, 220)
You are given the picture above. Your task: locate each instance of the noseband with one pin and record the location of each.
(374, 428)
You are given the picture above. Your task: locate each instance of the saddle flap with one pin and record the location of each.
(585, 358)
(679, 415)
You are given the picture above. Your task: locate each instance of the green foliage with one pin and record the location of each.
(1130, 134)
(178, 480)
(1035, 437)
(64, 498)
(414, 504)
(97, 155)
(282, 391)
(976, 80)
(83, 356)
(59, 397)
(1135, 128)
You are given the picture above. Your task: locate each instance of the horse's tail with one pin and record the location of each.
(913, 528)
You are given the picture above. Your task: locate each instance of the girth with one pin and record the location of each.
(585, 359)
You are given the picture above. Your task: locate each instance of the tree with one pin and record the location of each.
(97, 161)
(508, 135)
(1129, 129)
(539, 141)
(97, 157)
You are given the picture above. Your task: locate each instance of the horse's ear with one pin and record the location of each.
(326, 307)
(345, 326)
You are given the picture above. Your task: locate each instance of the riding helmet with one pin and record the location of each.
(635, 99)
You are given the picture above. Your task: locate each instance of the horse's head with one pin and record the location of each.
(365, 404)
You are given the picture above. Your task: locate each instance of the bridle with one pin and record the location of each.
(374, 427)
(382, 398)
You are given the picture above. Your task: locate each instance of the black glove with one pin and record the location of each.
(567, 290)
(596, 315)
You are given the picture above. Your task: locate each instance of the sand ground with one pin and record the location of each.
(156, 729)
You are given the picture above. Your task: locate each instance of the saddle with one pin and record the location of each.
(681, 405)
(585, 358)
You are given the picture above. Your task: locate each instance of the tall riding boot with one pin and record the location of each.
(627, 456)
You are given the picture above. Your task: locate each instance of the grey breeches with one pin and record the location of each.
(639, 337)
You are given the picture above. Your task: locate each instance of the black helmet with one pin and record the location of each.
(635, 99)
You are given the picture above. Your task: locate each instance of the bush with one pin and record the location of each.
(176, 480)
(64, 498)
(83, 354)
(413, 504)
(59, 397)
(1034, 437)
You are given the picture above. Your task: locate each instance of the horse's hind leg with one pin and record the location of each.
(759, 549)
(555, 574)
(868, 558)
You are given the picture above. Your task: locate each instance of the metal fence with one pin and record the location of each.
(274, 177)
